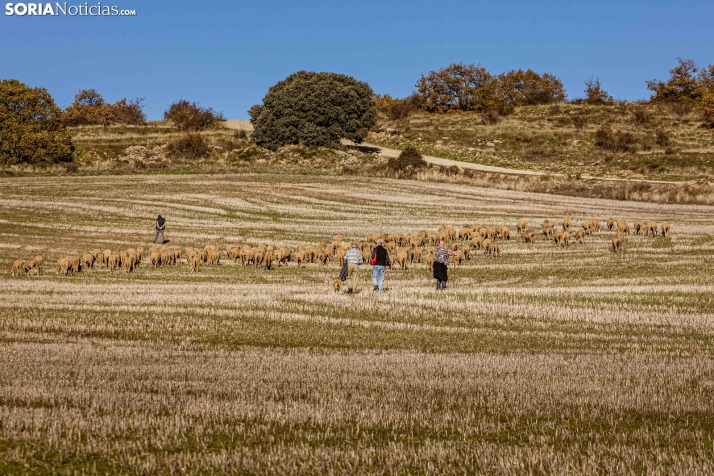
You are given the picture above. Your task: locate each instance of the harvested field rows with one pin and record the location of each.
(546, 359)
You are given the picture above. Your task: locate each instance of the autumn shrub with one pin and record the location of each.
(189, 146)
(662, 138)
(616, 141)
(31, 127)
(90, 108)
(595, 95)
(641, 117)
(190, 116)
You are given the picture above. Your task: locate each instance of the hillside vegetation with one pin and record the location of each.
(625, 140)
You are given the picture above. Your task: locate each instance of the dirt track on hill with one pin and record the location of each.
(244, 124)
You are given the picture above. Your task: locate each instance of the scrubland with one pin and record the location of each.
(545, 360)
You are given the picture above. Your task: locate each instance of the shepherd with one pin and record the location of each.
(160, 227)
(379, 261)
(441, 263)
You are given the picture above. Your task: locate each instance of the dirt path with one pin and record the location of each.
(489, 168)
(244, 124)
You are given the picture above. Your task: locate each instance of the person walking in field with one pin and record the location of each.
(353, 258)
(380, 261)
(441, 263)
(160, 227)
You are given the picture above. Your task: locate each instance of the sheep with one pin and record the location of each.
(610, 224)
(213, 257)
(617, 243)
(17, 267)
(195, 261)
(114, 261)
(558, 237)
(402, 259)
(76, 265)
(300, 258)
(269, 258)
(246, 256)
(505, 233)
(39, 261)
(548, 233)
(652, 228)
(494, 250)
(165, 258)
(528, 235)
(457, 259)
(107, 254)
(486, 244)
(595, 224)
(128, 265)
(139, 255)
(477, 242)
(465, 233)
(88, 260)
(623, 227)
(665, 228)
(580, 236)
(547, 224)
(521, 226)
(466, 251)
(567, 224)
(64, 266)
(430, 260)
(565, 239)
(155, 258)
(30, 267)
(638, 227)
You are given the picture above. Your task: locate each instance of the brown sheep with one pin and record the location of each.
(595, 224)
(521, 226)
(107, 254)
(454, 246)
(165, 258)
(565, 239)
(430, 260)
(246, 256)
(17, 267)
(39, 261)
(76, 264)
(466, 251)
(155, 258)
(547, 224)
(558, 237)
(139, 255)
(486, 244)
(477, 242)
(300, 258)
(548, 233)
(269, 258)
(580, 236)
(623, 227)
(665, 228)
(638, 227)
(567, 224)
(128, 265)
(617, 243)
(506, 234)
(652, 228)
(64, 266)
(610, 224)
(402, 258)
(114, 262)
(195, 261)
(97, 253)
(88, 260)
(30, 267)
(457, 259)
(214, 257)
(528, 235)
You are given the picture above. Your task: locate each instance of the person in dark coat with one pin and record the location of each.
(160, 227)
(441, 263)
(380, 261)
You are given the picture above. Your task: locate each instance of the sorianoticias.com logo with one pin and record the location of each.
(63, 9)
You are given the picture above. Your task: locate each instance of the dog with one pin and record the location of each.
(336, 284)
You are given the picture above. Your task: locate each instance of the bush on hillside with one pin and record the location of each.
(409, 160)
(616, 141)
(595, 95)
(90, 108)
(31, 128)
(189, 147)
(190, 116)
(314, 109)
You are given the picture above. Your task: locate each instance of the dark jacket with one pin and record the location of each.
(160, 223)
(380, 257)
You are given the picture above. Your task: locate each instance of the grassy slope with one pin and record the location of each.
(546, 359)
(541, 138)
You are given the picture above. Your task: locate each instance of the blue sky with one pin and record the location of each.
(227, 54)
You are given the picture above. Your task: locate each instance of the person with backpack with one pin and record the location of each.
(160, 227)
(379, 261)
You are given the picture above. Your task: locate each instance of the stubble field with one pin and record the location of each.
(545, 360)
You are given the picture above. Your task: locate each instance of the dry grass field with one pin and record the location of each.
(544, 360)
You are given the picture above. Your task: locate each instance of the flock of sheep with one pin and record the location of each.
(403, 249)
